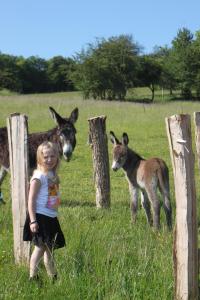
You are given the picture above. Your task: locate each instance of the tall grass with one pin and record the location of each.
(106, 257)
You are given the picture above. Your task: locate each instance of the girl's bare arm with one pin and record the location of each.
(33, 191)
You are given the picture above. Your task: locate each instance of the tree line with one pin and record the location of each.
(107, 68)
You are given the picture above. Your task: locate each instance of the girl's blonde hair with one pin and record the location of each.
(48, 145)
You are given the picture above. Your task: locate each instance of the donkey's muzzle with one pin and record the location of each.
(115, 166)
(67, 156)
(67, 151)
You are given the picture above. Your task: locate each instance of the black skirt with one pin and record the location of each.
(49, 232)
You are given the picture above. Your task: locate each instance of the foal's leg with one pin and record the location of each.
(151, 192)
(3, 173)
(168, 211)
(167, 207)
(147, 207)
(134, 202)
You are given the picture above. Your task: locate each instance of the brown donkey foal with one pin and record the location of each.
(145, 175)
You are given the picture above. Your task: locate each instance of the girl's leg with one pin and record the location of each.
(49, 263)
(37, 254)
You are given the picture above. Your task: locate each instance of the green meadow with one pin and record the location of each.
(106, 256)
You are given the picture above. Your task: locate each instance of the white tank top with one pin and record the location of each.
(48, 197)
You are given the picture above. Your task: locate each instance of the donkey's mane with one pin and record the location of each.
(132, 159)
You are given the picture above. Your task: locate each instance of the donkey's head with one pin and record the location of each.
(66, 131)
(119, 150)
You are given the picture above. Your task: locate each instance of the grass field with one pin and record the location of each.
(106, 257)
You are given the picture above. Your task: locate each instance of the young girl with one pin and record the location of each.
(42, 226)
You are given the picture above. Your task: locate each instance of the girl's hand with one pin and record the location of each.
(34, 227)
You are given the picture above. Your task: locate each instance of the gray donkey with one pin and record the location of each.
(64, 135)
(146, 175)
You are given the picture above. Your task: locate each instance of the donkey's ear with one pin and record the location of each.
(56, 117)
(113, 138)
(74, 115)
(125, 139)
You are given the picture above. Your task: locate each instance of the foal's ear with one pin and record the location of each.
(125, 139)
(113, 138)
(74, 115)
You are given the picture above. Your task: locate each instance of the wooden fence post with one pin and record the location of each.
(185, 235)
(99, 144)
(197, 142)
(18, 153)
(197, 134)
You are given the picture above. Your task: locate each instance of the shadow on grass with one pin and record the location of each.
(75, 203)
(150, 101)
(156, 100)
(141, 100)
(181, 98)
(129, 99)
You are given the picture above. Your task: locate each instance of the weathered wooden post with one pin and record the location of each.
(185, 235)
(197, 142)
(99, 144)
(197, 134)
(18, 153)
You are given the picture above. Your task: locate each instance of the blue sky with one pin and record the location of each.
(47, 28)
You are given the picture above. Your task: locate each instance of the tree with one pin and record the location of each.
(9, 75)
(33, 75)
(163, 56)
(196, 63)
(108, 68)
(182, 57)
(149, 74)
(59, 70)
